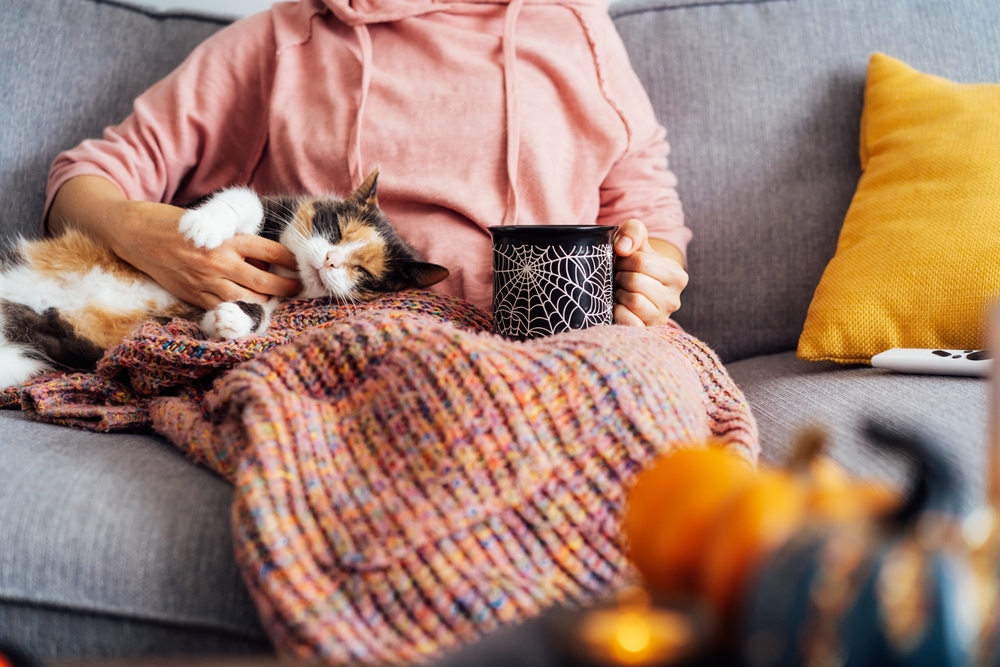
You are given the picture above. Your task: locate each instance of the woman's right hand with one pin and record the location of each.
(145, 235)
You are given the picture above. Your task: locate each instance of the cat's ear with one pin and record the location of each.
(424, 274)
(367, 192)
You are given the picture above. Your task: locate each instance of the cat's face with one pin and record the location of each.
(349, 250)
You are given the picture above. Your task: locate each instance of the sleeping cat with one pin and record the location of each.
(65, 300)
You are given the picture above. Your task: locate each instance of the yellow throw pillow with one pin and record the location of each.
(918, 259)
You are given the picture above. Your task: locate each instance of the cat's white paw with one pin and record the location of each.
(227, 321)
(227, 213)
(204, 230)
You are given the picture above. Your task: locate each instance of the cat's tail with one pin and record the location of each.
(19, 363)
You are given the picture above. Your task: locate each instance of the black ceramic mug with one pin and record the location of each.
(552, 278)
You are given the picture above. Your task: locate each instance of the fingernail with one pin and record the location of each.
(624, 244)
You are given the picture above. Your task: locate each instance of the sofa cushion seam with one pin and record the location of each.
(694, 4)
(160, 16)
(186, 622)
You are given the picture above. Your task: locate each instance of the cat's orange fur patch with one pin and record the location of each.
(105, 328)
(303, 220)
(370, 252)
(75, 252)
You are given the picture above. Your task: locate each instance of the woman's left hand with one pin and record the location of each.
(649, 277)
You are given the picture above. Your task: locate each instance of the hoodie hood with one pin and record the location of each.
(360, 13)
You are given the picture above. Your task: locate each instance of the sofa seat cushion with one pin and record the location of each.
(115, 545)
(787, 394)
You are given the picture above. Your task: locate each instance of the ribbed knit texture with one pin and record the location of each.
(405, 485)
(175, 358)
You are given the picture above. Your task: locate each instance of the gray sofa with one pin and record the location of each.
(114, 545)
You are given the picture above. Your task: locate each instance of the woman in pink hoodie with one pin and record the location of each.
(479, 113)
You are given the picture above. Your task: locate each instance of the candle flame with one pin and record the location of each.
(636, 635)
(632, 636)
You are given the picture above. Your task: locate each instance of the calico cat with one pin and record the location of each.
(64, 301)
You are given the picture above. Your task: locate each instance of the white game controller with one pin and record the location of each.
(935, 362)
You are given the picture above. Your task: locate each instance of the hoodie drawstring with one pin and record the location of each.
(509, 45)
(510, 95)
(354, 165)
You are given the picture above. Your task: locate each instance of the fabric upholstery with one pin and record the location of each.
(47, 632)
(916, 263)
(787, 394)
(125, 542)
(762, 102)
(105, 542)
(70, 68)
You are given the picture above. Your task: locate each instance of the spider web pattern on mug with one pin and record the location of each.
(543, 290)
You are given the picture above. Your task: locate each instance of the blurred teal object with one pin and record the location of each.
(897, 591)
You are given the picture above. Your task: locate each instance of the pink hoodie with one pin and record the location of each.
(479, 113)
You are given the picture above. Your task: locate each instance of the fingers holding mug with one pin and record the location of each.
(648, 282)
(631, 237)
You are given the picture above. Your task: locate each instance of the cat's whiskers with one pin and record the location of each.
(298, 242)
(290, 211)
(296, 232)
(345, 297)
(353, 305)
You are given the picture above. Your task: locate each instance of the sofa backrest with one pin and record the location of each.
(69, 68)
(761, 99)
(762, 103)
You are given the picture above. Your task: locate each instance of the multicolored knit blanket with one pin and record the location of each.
(405, 480)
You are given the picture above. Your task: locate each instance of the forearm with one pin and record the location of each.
(96, 207)
(83, 203)
(137, 232)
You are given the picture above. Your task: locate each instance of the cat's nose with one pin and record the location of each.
(333, 260)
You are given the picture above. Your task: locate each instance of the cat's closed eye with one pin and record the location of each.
(347, 248)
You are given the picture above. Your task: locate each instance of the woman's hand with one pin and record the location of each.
(149, 241)
(649, 277)
(145, 235)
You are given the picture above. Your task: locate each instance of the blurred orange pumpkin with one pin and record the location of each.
(672, 511)
(756, 521)
(701, 521)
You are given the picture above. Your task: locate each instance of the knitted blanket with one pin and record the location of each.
(160, 360)
(404, 480)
